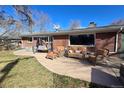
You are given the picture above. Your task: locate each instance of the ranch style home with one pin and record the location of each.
(92, 37)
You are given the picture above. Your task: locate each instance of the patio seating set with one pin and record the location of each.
(82, 53)
(56, 52)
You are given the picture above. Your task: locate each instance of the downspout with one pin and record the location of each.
(116, 45)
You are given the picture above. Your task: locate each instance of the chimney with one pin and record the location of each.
(92, 24)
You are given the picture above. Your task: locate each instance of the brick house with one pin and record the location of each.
(110, 37)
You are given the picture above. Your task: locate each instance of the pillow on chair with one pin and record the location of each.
(78, 51)
(70, 51)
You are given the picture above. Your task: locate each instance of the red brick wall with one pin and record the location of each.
(26, 43)
(103, 40)
(60, 40)
(106, 40)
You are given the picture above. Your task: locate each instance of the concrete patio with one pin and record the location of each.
(100, 74)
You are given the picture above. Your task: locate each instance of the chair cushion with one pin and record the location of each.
(70, 51)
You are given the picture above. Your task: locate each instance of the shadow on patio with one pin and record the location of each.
(120, 54)
(100, 77)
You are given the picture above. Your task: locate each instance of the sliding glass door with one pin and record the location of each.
(45, 39)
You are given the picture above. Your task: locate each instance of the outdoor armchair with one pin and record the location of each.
(99, 55)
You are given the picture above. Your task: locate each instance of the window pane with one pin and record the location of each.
(82, 39)
(29, 39)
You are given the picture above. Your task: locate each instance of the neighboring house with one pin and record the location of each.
(110, 37)
(8, 42)
(12, 39)
(11, 36)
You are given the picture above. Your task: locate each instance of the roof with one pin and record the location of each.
(11, 35)
(10, 38)
(102, 29)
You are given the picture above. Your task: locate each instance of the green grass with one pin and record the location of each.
(16, 71)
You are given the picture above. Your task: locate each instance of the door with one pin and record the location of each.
(47, 40)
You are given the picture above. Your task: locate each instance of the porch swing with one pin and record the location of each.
(41, 46)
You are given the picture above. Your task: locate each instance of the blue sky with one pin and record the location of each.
(102, 15)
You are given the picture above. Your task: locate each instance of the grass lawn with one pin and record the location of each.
(16, 71)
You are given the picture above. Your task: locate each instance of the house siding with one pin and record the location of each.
(26, 44)
(102, 40)
(106, 40)
(60, 40)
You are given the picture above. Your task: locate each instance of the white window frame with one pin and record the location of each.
(29, 41)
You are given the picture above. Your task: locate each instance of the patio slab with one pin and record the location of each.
(77, 69)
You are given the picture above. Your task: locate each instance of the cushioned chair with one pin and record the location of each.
(75, 52)
(99, 55)
(61, 50)
(42, 48)
(52, 54)
(57, 52)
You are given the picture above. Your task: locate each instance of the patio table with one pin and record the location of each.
(90, 57)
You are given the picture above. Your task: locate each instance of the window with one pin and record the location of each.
(44, 38)
(29, 39)
(82, 39)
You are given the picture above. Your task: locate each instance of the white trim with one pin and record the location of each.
(116, 43)
(68, 40)
(42, 36)
(82, 45)
(112, 52)
(48, 40)
(95, 40)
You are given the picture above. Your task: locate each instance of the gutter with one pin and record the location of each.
(78, 31)
(116, 45)
(121, 28)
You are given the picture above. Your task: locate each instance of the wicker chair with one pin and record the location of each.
(99, 55)
(57, 52)
(52, 54)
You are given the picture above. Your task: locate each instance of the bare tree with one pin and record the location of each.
(8, 26)
(74, 24)
(42, 20)
(118, 22)
(16, 31)
(25, 15)
(6, 22)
